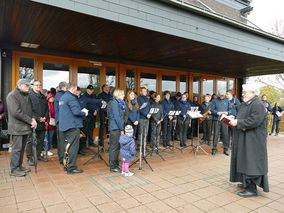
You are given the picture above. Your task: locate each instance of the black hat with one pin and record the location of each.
(90, 87)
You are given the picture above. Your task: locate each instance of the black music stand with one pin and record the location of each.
(196, 115)
(94, 153)
(142, 150)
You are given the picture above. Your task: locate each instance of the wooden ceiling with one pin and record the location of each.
(58, 30)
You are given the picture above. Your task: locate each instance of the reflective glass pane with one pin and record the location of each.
(26, 68)
(182, 84)
(231, 85)
(149, 81)
(89, 75)
(169, 83)
(111, 78)
(130, 79)
(195, 86)
(221, 87)
(208, 87)
(53, 74)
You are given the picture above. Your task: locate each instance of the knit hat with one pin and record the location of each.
(128, 130)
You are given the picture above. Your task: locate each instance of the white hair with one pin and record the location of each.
(251, 88)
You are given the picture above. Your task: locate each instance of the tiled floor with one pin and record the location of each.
(181, 183)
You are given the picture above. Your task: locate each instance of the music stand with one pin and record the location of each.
(94, 153)
(142, 150)
(196, 115)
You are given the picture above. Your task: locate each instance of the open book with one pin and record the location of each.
(226, 119)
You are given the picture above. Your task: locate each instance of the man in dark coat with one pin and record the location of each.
(40, 113)
(105, 96)
(70, 121)
(249, 152)
(20, 124)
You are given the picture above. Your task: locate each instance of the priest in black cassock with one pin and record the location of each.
(249, 164)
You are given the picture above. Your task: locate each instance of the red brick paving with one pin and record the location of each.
(182, 183)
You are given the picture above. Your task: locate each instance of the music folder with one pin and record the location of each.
(226, 119)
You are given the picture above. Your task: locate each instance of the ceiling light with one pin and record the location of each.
(29, 45)
(93, 44)
(96, 63)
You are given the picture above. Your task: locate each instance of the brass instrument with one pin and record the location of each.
(205, 115)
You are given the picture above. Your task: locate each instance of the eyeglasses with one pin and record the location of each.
(37, 85)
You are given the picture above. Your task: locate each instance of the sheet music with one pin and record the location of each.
(103, 106)
(143, 105)
(154, 110)
(278, 114)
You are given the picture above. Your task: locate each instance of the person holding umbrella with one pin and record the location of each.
(19, 125)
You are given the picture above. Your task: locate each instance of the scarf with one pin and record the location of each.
(133, 102)
(121, 103)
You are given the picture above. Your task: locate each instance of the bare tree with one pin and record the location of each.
(278, 28)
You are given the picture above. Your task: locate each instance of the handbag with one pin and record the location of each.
(51, 121)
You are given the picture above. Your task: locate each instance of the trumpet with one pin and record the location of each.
(205, 115)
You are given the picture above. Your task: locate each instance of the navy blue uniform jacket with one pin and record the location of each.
(220, 105)
(70, 114)
(145, 111)
(56, 104)
(116, 116)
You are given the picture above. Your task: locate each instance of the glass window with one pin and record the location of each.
(26, 68)
(89, 75)
(208, 87)
(231, 85)
(130, 79)
(149, 81)
(182, 84)
(196, 86)
(111, 78)
(221, 87)
(53, 74)
(169, 83)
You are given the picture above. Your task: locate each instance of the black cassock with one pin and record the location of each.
(249, 151)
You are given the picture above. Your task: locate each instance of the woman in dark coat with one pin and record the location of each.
(155, 121)
(249, 152)
(277, 117)
(183, 119)
(116, 126)
(132, 108)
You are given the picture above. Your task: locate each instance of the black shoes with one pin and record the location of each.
(18, 173)
(74, 171)
(93, 145)
(24, 169)
(42, 159)
(226, 152)
(247, 193)
(81, 152)
(31, 162)
(241, 186)
(115, 170)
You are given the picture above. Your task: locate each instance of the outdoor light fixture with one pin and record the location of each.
(96, 63)
(29, 45)
(93, 44)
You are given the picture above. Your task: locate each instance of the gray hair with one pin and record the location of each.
(251, 88)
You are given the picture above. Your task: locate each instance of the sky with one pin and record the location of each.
(265, 12)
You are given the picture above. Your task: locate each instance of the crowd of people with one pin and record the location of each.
(63, 114)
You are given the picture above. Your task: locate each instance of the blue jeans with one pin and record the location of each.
(51, 134)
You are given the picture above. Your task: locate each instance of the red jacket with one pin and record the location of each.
(51, 111)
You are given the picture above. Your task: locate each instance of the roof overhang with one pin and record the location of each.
(147, 33)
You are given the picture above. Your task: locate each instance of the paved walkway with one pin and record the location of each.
(181, 183)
